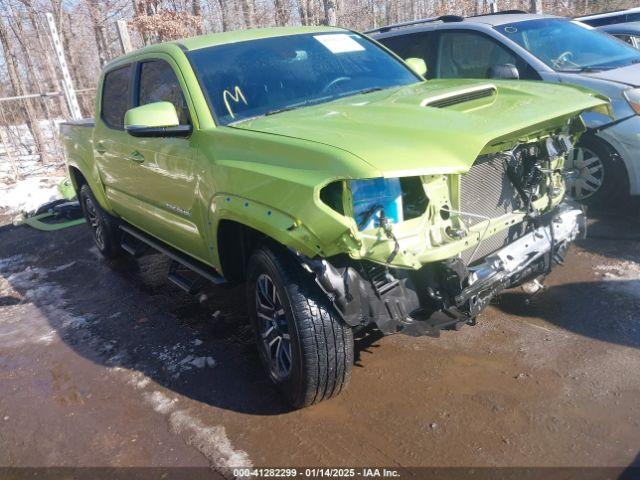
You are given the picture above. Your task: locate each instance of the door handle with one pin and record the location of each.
(136, 157)
(100, 148)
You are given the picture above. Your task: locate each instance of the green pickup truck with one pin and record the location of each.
(327, 175)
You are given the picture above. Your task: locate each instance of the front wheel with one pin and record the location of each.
(599, 175)
(305, 348)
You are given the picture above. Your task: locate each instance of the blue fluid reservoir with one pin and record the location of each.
(371, 197)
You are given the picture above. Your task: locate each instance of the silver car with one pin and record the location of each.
(523, 46)
(627, 32)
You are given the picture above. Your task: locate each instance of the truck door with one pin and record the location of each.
(111, 144)
(165, 203)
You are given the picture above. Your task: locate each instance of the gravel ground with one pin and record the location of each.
(106, 364)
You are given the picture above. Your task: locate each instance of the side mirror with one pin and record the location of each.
(417, 65)
(158, 119)
(508, 71)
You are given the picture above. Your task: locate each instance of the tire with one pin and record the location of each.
(283, 302)
(104, 227)
(601, 176)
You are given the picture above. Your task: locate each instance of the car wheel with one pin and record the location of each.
(599, 174)
(106, 234)
(305, 348)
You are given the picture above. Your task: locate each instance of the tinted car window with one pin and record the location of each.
(599, 22)
(418, 45)
(158, 83)
(633, 40)
(115, 96)
(464, 54)
(263, 77)
(568, 46)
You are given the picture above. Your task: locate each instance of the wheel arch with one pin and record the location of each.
(631, 171)
(78, 178)
(239, 225)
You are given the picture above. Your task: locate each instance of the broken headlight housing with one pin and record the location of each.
(373, 202)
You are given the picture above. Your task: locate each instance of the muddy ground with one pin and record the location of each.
(106, 364)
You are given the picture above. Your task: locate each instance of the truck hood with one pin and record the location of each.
(433, 127)
(629, 75)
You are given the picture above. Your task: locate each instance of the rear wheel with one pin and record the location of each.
(599, 175)
(305, 348)
(103, 226)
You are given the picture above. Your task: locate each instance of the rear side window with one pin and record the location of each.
(416, 45)
(158, 83)
(115, 96)
(466, 54)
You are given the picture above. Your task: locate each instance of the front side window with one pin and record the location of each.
(263, 77)
(465, 54)
(633, 40)
(568, 46)
(158, 83)
(115, 96)
(415, 45)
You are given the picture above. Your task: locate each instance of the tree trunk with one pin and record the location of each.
(303, 12)
(99, 31)
(196, 10)
(281, 12)
(330, 14)
(27, 107)
(223, 16)
(52, 82)
(536, 6)
(248, 12)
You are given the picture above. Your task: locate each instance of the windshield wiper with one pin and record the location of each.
(293, 106)
(368, 90)
(306, 103)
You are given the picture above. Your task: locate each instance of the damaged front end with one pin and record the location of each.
(430, 252)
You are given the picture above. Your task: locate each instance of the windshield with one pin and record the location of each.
(262, 77)
(568, 46)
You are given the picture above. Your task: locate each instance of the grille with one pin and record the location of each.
(485, 190)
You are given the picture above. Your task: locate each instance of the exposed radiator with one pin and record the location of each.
(485, 190)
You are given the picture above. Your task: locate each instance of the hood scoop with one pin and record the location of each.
(460, 96)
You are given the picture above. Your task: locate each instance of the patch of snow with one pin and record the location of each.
(8, 263)
(47, 338)
(160, 402)
(29, 194)
(40, 312)
(621, 277)
(23, 151)
(211, 441)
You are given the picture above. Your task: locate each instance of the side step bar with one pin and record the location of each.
(179, 258)
(189, 283)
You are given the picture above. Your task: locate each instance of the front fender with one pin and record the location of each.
(273, 223)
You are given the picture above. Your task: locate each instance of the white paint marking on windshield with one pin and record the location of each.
(339, 43)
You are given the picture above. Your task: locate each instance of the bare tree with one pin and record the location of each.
(248, 12)
(196, 11)
(330, 14)
(27, 107)
(282, 12)
(223, 15)
(98, 30)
